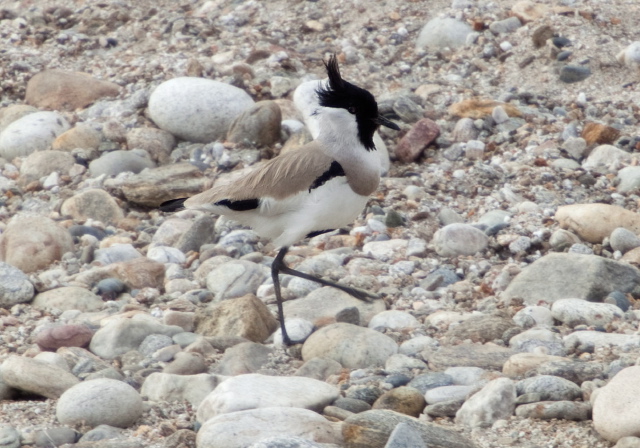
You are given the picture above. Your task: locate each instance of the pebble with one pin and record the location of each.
(421, 135)
(563, 239)
(623, 240)
(532, 316)
(66, 90)
(505, 26)
(630, 56)
(549, 388)
(470, 355)
(245, 357)
(68, 298)
(42, 163)
(481, 328)
(37, 377)
(82, 135)
(327, 303)
(558, 276)
(493, 402)
(385, 250)
(575, 371)
(93, 204)
(561, 410)
(574, 73)
(599, 133)
(465, 130)
(235, 279)
(427, 381)
(64, 335)
(258, 126)
(121, 335)
(416, 345)
(298, 330)
(156, 142)
(394, 320)
(603, 158)
(405, 400)
(102, 432)
(100, 402)
(530, 341)
(628, 442)
(15, 286)
(253, 391)
(448, 393)
(352, 346)
(440, 33)
(120, 161)
(403, 363)
(319, 368)
(197, 109)
(116, 253)
(404, 436)
(459, 239)
(246, 317)
(166, 255)
(243, 428)
(521, 363)
(53, 437)
(628, 179)
(31, 133)
(14, 112)
(373, 428)
(574, 312)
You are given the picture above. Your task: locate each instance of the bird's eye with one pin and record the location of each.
(352, 110)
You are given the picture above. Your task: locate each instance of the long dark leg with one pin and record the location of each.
(276, 267)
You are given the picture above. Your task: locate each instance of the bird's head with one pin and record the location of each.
(358, 102)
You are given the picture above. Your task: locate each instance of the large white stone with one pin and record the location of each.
(616, 408)
(254, 391)
(31, 133)
(197, 109)
(581, 312)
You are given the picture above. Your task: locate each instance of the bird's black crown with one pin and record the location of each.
(358, 101)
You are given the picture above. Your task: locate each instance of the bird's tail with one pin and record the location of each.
(173, 205)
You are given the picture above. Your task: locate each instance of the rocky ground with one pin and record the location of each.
(503, 240)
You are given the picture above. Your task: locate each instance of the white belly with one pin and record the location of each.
(287, 221)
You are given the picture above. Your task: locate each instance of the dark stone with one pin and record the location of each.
(574, 73)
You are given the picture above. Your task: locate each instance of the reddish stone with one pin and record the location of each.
(416, 140)
(599, 133)
(69, 335)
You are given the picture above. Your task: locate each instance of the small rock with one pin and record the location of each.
(493, 402)
(319, 368)
(65, 335)
(54, 437)
(574, 312)
(459, 239)
(440, 33)
(623, 240)
(393, 319)
(100, 402)
(33, 242)
(235, 279)
(574, 73)
(599, 133)
(42, 163)
(465, 130)
(548, 410)
(485, 356)
(404, 436)
(421, 135)
(116, 253)
(82, 136)
(630, 56)
(540, 35)
(550, 388)
(197, 109)
(246, 317)
(246, 357)
(521, 363)
(298, 331)
(15, 286)
(431, 380)
(102, 432)
(156, 142)
(384, 250)
(68, 298)
(65, 90)
(628, 179)
(116, 162)
(350, 345)
(94, 204)
(602, 158)
(481, 328)
(532, 316)
(258, 125)
(505, 26)
(480, 108)
(562, 239)
(448, 393)
(405, 400)
(31, 133)
(186, 363)
(14, 112)
(528, 11)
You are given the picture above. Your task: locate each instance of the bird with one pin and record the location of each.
(315, 189)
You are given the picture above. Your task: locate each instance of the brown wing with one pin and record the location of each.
(278, 178)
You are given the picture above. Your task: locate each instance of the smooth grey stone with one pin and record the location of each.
(120, 161)
(352, 404)
(505, 26)
(439, 33)
(246, 357)
(619, 299)
(575, 371)
(628, 179)
(481, 328)
(493, 402)
(574, 312)
(366, 393)
(550, 388)
(431, 380)
(9, 437)
(558, 276)
(54, 437)
(447, 216)
(153, 343)
(259, 125)
(444, 408)
(548, 410)
(574, 73)
(459, 239)
(623, 240)
(102, 432)
(199, 233)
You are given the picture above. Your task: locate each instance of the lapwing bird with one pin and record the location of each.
(313, 190)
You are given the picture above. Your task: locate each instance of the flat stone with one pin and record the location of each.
(561, 410)
(241, 429)
(485, 356)
(575, 371)
(14, 112)
(373, 428)
(558, 276)
(245, 317)
(421, 135)
(37, 377)
(393, 319)
(481, 328)
(65, 90)
(254, 391)
(352, 346)
(319, 368)
(100, 402)
(574, 312)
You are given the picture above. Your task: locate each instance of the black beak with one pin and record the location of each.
(381, 121)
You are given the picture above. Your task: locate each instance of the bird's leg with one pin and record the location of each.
(357, 293)
(276, 267)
